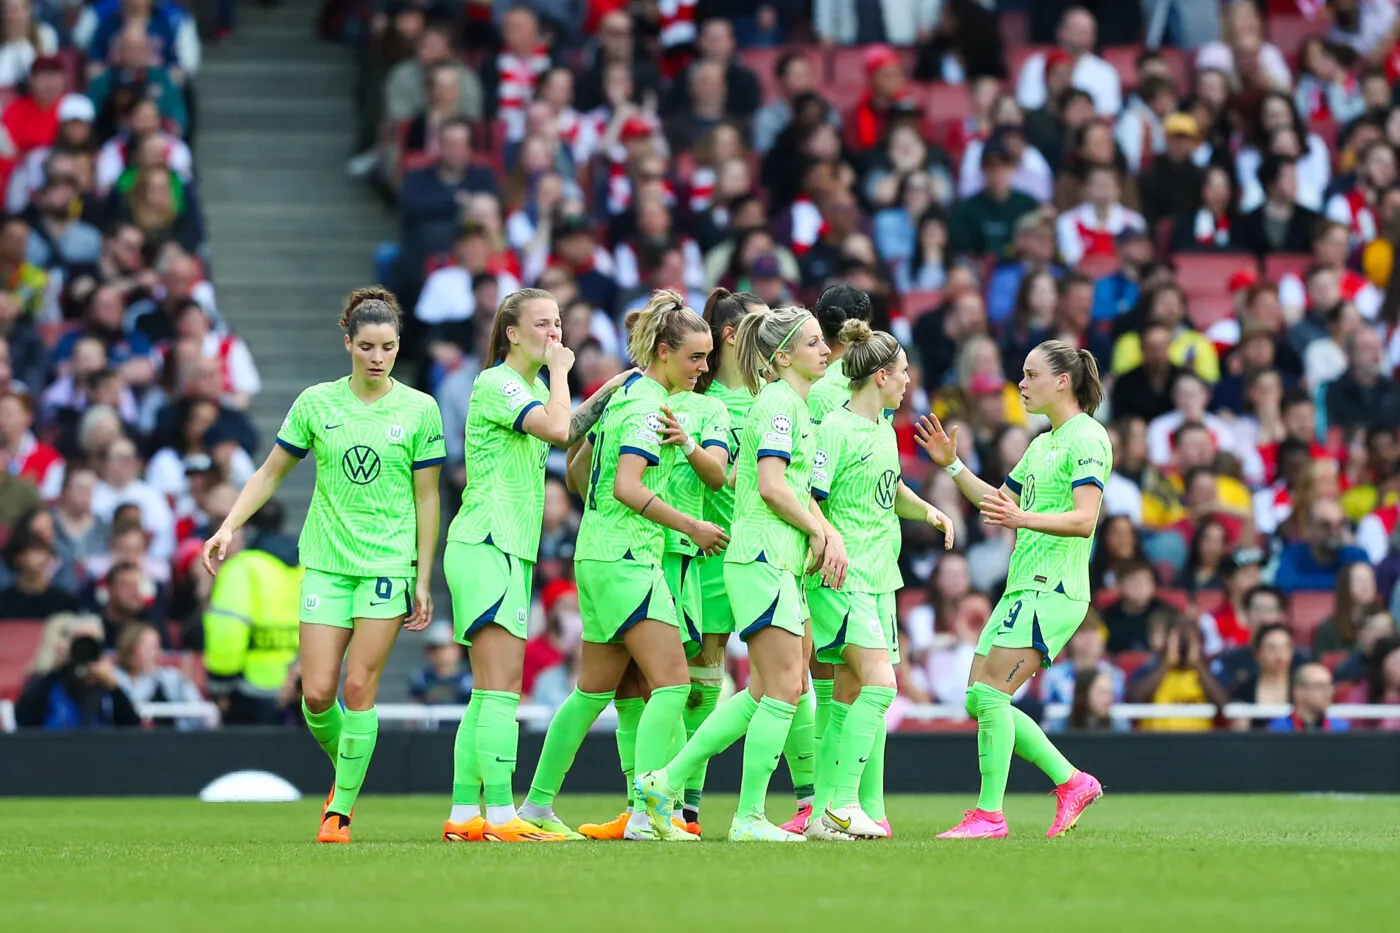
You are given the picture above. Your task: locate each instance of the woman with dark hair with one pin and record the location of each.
(1275, 116)
(809, 112)
(1119, 547)
(1207, 557)
(1215, 222)
(1032, 319)
(1267, 681)
(1093, 700)
(926, 268)
(1093, 145)
(895, 231)
(965, 44)
(1357, 598)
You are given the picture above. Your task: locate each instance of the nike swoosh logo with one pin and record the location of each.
(867, 457)
(505, 761)
(332, 427)
(803, 757)
(382, 602)
(864, 760)
(844, 824)
(351, 757)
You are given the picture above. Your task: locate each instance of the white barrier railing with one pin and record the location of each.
(537, 717)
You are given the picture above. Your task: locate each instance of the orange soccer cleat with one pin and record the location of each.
(334, 828)
(611, 830)
(472, 830)
(517, 830)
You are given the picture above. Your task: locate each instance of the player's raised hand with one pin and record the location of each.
(834, 562)
(217, 544)
(672, 433)
(943, 523)
(1000, 509)
(559, 358)
(422, 613)
(615, 383)
(941, 447)
(709, 538)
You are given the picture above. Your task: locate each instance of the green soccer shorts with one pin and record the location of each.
(614, 595)
(1033, 619)
(761, 595)
(337, 599)
(682, 574)
(488, 586)
(716, 615)
(842, 619)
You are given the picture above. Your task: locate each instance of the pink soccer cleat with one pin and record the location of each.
(798, 823)
(1072, 798)
(978, 824)
(885, 825)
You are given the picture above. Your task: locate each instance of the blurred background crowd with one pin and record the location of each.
(1203, 194)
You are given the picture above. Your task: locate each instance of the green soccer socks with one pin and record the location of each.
(1035, 746)
(466, 764)
(720, 730)
(325, 727)
(358, 734)
(763, 746)
(800, 750)
(629, 714)
(863, 721)
(827, 752)
(561, 743)
(497, 739)
(703, 700)
(660, 726)
(872, 779)
(996, 737)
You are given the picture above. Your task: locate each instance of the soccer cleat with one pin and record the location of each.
(851, 819)
(817, 831)
(693, 828)
(885, 825)
(555, 826)
(978, 824)
(466, 831)
(758, 829)
(1072, 798)
(611, 830)
(800, 819)
(517, 830)
(334, 828)
(657, 798)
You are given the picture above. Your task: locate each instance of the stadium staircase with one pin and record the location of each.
(289, 233)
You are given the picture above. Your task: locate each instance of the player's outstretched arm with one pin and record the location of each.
(907, 504)
(429, 511)
(256, 492)
(629, 489)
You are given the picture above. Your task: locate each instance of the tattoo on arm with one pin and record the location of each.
(586, 417)
(1014, 671)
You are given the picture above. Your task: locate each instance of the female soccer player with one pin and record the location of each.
(834, 307)
(1052, 497)
(369, 559)
(856, 480)
(492, 545)
(701, 418)
(776, 526)
(628, 612)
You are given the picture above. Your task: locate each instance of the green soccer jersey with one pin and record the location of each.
(362, 522)
(830, 391)
(855, 475)
(719, 505)
(706, 421)
(778, 425)
(1077, 453)
(631, 424)
(503, 503)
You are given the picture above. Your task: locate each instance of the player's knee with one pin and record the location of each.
(882, 677)
(787, 688)
(319, 697)
(360, 688)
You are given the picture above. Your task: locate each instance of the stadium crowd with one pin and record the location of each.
(1213, 219)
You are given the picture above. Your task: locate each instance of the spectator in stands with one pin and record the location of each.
(1325, 87)
(130, 352)
(406, 92)
(59, 239)
(1083, 654)
(1032, 247)
(896, 225)
(79, 536)
(1076, 38)
(26, 282)
(885, 93)
(1116, 294)
(120, 154)
(21, 452)
(1357, 208)
(432, 201)
(120, 484)
(560, 523)
(1177, 672)
(966, 44)
(1031, 322)
(34, 594)
(715, 45)
(1280, 224)
(151, 205)
(1141, 130)
(179, 281)
(1363, 396)
(238, 374)
(1277, 129)
(1092, 702)
(1189, 348)
(1313, 564)
(984, 221)
(1267, 681)
(1172, 172)
(508, 79)
(31, 120)
(75, 135)
(1088, 230)
(1032, 174)
(939, 334)
(1123, 492)
(614, 43)
(1374, 628)
(1243, 28)
(552, 656)
(135, 74)
(1311, 692)
(1357, 599)
(1214, 226)
(23, 38)
(1206, 561)
(128, 603)
(145, 680)
(83, 693)
(1117, 550)
(839, 22)
(795, 77)
(1190, 398)
(708, 106)
(1127, 618)
(446, 680)
(1369, 29)
(1231, 625)
(1145, 391)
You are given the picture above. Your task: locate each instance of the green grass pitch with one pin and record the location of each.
(1180, 864)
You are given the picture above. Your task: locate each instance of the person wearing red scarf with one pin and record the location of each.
(886, 87)
(1090, 228)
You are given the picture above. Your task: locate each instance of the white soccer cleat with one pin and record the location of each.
(817, 831)
(852, 820)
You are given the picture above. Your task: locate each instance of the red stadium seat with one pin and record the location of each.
(1209, 601)
(1288, 33)
(1015, 30)
(1129, 661)
(1205, 310)
(1208, 273)
(72, 61)
(1333, 659)
(1308, 610)
(1277, 265)
(1180, 67)
(1123, 58)
(945, 103)
(917, 304)
(18, 642)
(764, 63)
(1177, 599)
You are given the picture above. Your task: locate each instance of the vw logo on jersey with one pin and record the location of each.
(1028, 493)
(395, 433)
(361, 465)
(311, 602)
(885, 488)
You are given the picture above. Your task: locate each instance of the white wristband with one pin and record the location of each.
(689, 447)
(954, 468)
